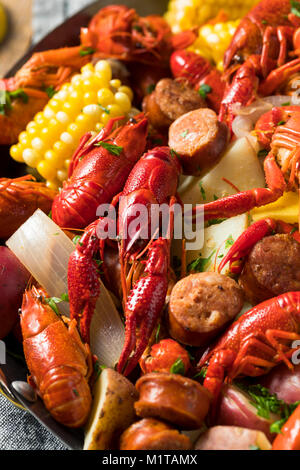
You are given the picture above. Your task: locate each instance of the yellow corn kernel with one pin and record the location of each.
(53, 158)
(103, 68)
(46, 170)
(84, 105)
(114, 110)
(123, 101)
(53, 185)
(62, 175)
(31, 157)
(105, 96)
(127, 91)
(115, 83)
(16, 152)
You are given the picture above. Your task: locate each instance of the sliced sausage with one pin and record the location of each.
(199, 139)
(174, 398)
(151, 434)
(201, 305)
(170, 100)
(232, 438)
(272, 268)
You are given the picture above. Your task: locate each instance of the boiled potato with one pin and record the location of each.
(218, 239)
(112, 411)
(285, 208)
(232, 438)
(240, 165)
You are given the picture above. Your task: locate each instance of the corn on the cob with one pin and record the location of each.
(184, 14)
(213, 40)
(85, 104)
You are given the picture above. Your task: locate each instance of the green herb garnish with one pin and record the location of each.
(204, 90)
(76, 239)
(157, 333)
(267, 403)
(202, 191)
(50, 91)
(199, 264)
(253, 447)
(178, 367)
(53, 301)
(262, 153)
(229, 242)
(107, 111)
(112, 148)
(150, 88)
(86, 51)
(184, 133)
(286, 104)
(295, 8)
(215, 222)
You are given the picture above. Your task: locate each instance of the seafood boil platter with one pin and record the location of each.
(122, 132)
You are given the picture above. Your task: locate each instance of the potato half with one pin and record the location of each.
(112, 411)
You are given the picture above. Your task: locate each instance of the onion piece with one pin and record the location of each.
(45, 249)
(247, 116)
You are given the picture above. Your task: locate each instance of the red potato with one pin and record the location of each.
(13, 280)
(232, 438)
(236, 410)
(284, 382)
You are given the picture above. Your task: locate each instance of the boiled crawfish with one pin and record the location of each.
(44, 70)
(96, 175)
(261, 56)
(118, 32)
(19, 199)
(153, 180)
(59, 363)
(255, 343)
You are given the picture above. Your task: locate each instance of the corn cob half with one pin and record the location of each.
(85, 104)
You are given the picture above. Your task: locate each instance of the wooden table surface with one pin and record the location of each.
(29, 21)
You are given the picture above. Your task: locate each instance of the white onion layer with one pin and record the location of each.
(45, 249)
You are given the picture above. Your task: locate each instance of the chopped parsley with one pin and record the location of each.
(254, 447)
(53, 301)
(201, 374)
(264, 22)
(204, 90)
(86, 51)
(199, 264)
(266, 403)
(107, 111)
(174, 154)
(295, 8)
(75, 392)
(262, 153)
(202, 191)
(76, 240)
(157, 333)
(98, 369)
(50, 91)
(215, 222)
(6, 98)
(112, 148)
(150, 88)
(178, 367)
(281, 123)
(229, 242)
(286, 104)
(184, 133)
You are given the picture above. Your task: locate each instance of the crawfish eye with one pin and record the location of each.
(238, 58)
